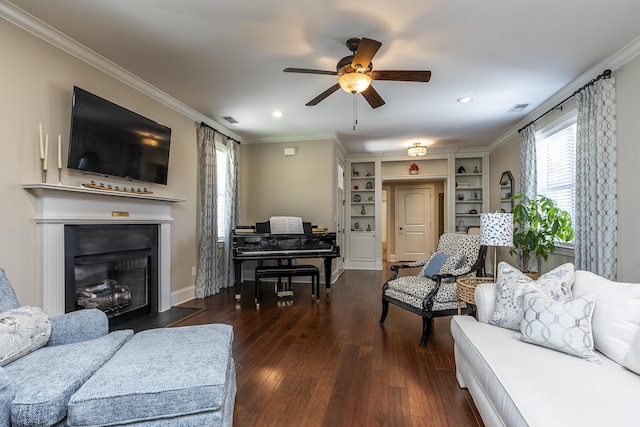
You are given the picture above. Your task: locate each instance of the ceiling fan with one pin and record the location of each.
(355, 73)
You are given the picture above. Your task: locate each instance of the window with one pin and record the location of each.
(221, 184)
(556, 164)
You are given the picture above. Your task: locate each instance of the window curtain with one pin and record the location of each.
(528, 174)
(528, 163)
(208, 245)
(232, 211)
(596, 222)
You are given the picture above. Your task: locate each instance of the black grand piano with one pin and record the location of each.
(259, 244)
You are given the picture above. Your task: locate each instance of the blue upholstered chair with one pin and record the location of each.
(432, 292)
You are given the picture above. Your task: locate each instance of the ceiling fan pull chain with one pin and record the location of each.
(355, 111)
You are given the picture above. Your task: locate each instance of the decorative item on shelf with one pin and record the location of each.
(356, 226)
(369, 185)
(356, 198)
(475, 195)
(369, 173)
(461, 169)
(355, 187)
(370, 198)
(368, 227)
(363, 211)
(460, 226)
(476, 170)
(496, 229)
(460, 196)
(354, 172)
(413, 169)
(473, 211)
(462, 184)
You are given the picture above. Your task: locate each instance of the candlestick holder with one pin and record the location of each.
(59, 176)
(44, 172)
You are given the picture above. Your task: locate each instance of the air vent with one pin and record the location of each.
(230, 119)
(518, 108)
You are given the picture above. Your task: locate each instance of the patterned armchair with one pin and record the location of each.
(434, 295)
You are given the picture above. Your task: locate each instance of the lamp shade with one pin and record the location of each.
(496, 229)
(354, 82)
(417, 149)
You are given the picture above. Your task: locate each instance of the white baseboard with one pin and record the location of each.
(183, 295)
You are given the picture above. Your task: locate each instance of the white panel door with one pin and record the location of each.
(414, 221)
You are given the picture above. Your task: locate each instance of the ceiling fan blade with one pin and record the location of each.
(366, 50)
(323, 95)
(373, 97)
(308, 71)
(401, 75)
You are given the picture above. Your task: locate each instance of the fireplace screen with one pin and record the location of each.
(113, 286)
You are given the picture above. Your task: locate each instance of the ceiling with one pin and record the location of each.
(225, 58)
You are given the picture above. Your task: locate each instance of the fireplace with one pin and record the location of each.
(112, 267)
(61, 206)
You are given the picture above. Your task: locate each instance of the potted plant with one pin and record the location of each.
(539, 223)
(413, 169)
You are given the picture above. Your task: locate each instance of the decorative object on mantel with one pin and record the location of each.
(44, 149)
(132, 190)
(59, 160)
(413, 169)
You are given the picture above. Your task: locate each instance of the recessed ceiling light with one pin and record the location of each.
(277, 114)
(465, 99)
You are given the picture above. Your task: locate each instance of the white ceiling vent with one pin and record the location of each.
(518, 108)
(230, 119)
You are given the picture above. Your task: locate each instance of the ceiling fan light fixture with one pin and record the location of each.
(354, 82)
(417, 149)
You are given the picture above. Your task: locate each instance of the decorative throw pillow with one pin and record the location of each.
(22, 330)
(510, 285)
(435, 263)
(563, 326)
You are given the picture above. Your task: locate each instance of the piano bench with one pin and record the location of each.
(287, 272)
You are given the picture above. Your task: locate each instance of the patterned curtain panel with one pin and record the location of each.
(528, 174)
(232, 213)
(528, 163)
(596, 222)
(208, 246)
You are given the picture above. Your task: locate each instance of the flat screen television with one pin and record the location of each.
(107, 139)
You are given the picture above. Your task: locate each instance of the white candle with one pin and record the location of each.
(46, 150)
(41, 147)
(59, 153)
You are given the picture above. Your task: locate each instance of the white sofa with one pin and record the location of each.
(514, 383)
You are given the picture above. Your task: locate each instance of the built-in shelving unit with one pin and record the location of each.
(362, 213)
(469, 192)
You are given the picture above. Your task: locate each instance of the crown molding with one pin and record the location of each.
(46, 32)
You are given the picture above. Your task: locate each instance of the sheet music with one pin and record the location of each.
(286, 225)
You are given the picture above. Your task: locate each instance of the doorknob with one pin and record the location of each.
(401, 228)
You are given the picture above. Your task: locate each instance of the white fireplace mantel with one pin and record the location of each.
(58, 205)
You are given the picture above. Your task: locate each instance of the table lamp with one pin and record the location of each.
(496, 229)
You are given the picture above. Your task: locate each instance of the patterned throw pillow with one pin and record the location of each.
(563, 326)
(510, 286)
(440, 263)
(22, 330)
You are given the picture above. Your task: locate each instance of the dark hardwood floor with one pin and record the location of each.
(332, 364)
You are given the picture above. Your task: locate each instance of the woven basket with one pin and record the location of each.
(467, 286)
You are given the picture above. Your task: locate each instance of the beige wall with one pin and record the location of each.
(507, 155)
(272, 184)
(36, 83)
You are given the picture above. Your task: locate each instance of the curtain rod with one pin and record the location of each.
(217, 131)
(605, 75)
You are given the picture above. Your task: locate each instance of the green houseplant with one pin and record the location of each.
(539, 223)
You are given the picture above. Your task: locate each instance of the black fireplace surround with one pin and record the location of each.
(112, 267)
